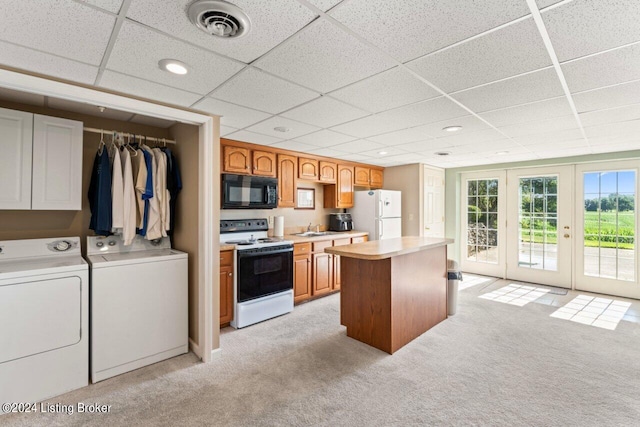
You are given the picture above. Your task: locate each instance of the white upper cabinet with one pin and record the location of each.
(57, 164)
(40, 162)
(16, 132)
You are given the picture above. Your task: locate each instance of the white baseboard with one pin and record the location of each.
(215, 353)
(195, 348)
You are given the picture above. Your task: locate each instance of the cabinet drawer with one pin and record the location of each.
(359, 239)
(341, 242)
(301, 248)
(226, 258)
(319, 246)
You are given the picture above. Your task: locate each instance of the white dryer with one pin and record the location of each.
(44, 320)
(139, 304)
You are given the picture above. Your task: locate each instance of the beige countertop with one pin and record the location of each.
(300, 239)
(381, 249)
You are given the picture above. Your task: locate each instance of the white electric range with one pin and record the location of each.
(263, 271)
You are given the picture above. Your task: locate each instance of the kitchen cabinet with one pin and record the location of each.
(359, 239)
(340, 195)
(226, 287)
(376, 178)
(287, 169)
(41, 163)
(236, 159)
(322, 265)
(336, 262)
(308, 169)
(301, 272)
(328, 172)
(368, 177)
(264, 163)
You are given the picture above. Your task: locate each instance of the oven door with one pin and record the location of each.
(249, 192)
(264, 271)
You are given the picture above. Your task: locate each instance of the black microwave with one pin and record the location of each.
(249, 192)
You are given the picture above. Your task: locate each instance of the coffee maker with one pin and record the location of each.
(340, 222)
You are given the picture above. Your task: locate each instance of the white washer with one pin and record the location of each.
(139, 304)
(44, 320)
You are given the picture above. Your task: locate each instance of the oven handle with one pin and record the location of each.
(249, 254)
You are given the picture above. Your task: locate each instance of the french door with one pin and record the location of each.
(540, 225)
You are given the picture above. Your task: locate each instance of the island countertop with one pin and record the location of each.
(382, 249)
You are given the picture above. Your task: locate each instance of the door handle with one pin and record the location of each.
(381, 228)
(566, 236)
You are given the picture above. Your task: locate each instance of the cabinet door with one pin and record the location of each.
(236, 159)
(308, 169)
(361, 176)
(360, 239)
(345, 187)
(226, 294)
(376, 178)
(322, 273)
(328, 172)
(16, 137)
(301, 278)
(264, 163)
(57, 164)
(287, 169)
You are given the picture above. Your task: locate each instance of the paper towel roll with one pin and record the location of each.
(278, 226)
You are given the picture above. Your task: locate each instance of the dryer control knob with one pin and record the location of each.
(99, 244)
(62, 245)
(112, 243)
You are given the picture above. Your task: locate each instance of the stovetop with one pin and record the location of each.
(248, 234)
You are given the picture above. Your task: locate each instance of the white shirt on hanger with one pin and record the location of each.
(129, 198)
(161, 189)
(154, 224)
(117, 190)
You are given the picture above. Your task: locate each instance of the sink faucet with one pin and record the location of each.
(309, 227)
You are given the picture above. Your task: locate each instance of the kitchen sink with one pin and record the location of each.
(316, 233)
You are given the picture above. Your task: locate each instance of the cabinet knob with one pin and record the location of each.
(230, 274)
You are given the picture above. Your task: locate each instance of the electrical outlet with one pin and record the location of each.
(270, 220)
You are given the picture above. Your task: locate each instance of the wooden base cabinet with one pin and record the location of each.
(226, 287)
(301, 272)
(322, 273)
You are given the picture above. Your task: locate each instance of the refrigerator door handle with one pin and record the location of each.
(381, 228)
(380, 209)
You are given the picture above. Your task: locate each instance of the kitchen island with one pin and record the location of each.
(392, 290)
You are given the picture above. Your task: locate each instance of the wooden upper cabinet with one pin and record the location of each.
(361, 176)
(287, 170)
(264, 163)
(328, 172)
(345, 186)
(376, 178)
(236, 159)
(307, 169)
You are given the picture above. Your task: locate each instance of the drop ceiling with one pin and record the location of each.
(351, 79)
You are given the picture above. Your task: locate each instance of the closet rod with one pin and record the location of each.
(148, 138)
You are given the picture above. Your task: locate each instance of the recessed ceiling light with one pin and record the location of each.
(501, 153)
(281, 129)
(382, 153)
(173, 66)
(442, 153)
(452, 128)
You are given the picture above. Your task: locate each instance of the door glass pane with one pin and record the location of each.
(538, 223)
(482, 220)
(610, 224)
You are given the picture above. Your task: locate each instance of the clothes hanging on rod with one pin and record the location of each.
(174, 185)
(100, 192)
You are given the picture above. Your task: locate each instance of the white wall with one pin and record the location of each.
(407, 179)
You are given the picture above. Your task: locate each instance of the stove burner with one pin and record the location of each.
(241, 242)
(269, 239)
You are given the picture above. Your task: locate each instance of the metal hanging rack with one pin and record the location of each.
(125, 134)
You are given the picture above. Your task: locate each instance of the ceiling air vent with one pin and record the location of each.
(219, 18)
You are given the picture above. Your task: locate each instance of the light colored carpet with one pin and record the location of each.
(490, 364)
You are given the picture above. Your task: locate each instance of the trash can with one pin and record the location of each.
(454, 275)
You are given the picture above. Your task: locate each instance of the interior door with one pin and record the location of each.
(433, 202)
(606, 223)
(539, 225)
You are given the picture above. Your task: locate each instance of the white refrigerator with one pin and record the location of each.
(378, 212)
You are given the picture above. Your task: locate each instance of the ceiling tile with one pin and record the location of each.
(296, 129)
(138, 50)
(325, 112)
(403, 136)
(546, 3)
(498, 145)
(231, 114)
(254, 138)
(255, 89)
(324, 5)
(609, 68)
(613, 115)
(43, 63)
(355, 158)
(531, 128)
(328, 152)
(21, 97)
(145, 89)
(622, 131)
(295, 146)
(110, 5)
(535, 111)
(628, 146)
(90, 109)
(418, 28)
(226, 130)
(387, 90)
(426, 146)
(390, 151)
(272, 23)
(431, 130)
(477, 137)
(609, 97)
(324, 58)
(561, 145)
(549, 137)
(408, 116)
(580, 28)
(62, 28)
(531, 87)
(564, 152)
(325, 138)
(358, 146)
(512, 50)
